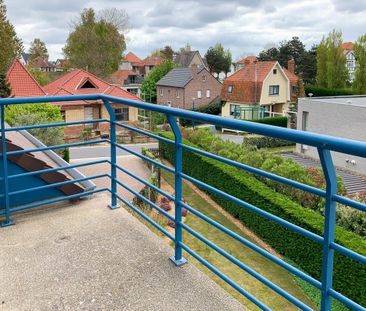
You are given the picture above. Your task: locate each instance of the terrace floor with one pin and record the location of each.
(85, 256)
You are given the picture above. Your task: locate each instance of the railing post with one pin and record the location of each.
(329, 227)
(112, 136)
(178, 258)
(7, 221)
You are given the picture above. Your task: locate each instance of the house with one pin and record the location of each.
(24, 58)
(341, 116)
(189, 59)
(260, 87)
(128, 80)
(131, 62)
(21, 82)
(188, 88)
(149, 63)
(43, 64)
(351, 60)
(77, 82)
(61, 65)
(240, 64)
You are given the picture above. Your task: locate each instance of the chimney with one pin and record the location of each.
(291, 65)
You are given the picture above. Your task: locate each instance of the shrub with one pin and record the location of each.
(265, 141)
(214, 108)
(276, 121)
(349, 275)
(322, 91)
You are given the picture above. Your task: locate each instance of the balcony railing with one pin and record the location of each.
(324, 145)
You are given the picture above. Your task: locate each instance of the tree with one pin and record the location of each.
(148, 87)
(186, 48)
(293, 49)
(40, 76)
(37, 49)
(95, 44)
(11, 45)
(167, 52)
(331, 62)
(359, 49)
(5, 89)
(218, 60)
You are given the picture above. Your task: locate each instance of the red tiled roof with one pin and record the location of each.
(250, 59)
(120, 76)
(132, 58)
(347, 45)
(152, 61)
(21, 81)
(243, 82)
(71, 83)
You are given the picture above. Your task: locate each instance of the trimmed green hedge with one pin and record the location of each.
(322, 91)
(265, 141)
(214, 109)
(276, 121)
(349, 275)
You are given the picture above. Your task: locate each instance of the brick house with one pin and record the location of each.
(78, 82)
(189, 59)
(181, 87)
(261, 86)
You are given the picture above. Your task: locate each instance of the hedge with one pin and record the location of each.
(214, 109)
(322, 91)
(349, 275)
(265, 141)
(276, 121)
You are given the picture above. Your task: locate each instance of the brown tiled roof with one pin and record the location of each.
(250, 59)
(347, 45)
(119, 76)
(152, 61)
(244, 85)
(132, 58)
(21, 81)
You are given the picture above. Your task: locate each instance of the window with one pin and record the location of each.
(88, 85)
(208, 93)
(121, 114)
(177, 94)
(274, 89)
(204, 78)
(161, 92)
(169, 104)
(234, 109)
(274, 71)
(229, 88)
(169, 92)
(199, 94)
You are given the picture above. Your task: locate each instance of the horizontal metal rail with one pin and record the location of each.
(323, 143)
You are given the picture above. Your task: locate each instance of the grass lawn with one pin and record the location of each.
(265, 267)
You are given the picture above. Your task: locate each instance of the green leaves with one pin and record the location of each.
(359, 49)
(95, 44)
(218, 59)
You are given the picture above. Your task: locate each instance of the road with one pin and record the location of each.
(104, 151)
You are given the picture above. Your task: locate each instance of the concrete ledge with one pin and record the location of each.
(88, 257)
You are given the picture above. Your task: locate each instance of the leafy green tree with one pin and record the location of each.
(37, 49)
(359, 49)
(148, 87)
(331, 62)
(40, 76)
(11, 45)
(307, 66)
(218, 59)
(95, 44)
(5, 89)
(167, 52)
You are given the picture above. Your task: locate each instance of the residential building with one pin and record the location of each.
(128, 80)
(240, 64)
(188, 87)
(259, 86)
(77, 82)
(43, 64)
(131, 62)
(189, 59)
(341, 116)
(24, 58)
(61, 65)
(22, 83)
(149, 63)
(351, 60)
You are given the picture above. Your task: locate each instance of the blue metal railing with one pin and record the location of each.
(324, 144)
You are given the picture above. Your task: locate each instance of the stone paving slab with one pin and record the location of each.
(87, 257)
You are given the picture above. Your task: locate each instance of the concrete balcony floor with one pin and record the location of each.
(84, 256)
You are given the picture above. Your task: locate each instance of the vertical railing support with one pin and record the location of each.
(7, 221)
(329, 227)
(178, 258)
(113, 151)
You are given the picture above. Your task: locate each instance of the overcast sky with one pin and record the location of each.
(243, 26)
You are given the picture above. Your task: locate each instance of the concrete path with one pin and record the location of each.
(102, 151)
(131, 163)
(353, 183)
(85, 256)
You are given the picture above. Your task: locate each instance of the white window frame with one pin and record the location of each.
(199, 94)
(177, 93)
(204, 78)
(272, 89)
(161, 92)
(230, 88)
(208, 93)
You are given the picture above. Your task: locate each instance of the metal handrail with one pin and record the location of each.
(323, 143)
